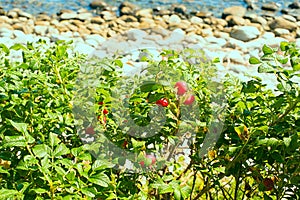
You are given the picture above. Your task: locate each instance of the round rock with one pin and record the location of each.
(245, 33)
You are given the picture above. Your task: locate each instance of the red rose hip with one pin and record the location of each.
(162, 102)
(268, 183)
(90, 130)
(181, 87)
(189, 100)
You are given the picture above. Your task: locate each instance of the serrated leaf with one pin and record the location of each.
(91, 192)
(40, 150)
(254, 60)
(21, 127)
(100, 179)
(267, 50)
(101, 164)
(165, 188)
(14, 141)
(60, 150)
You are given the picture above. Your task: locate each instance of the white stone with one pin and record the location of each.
(275, 42)
(236, 56)
(5, 32)
(95, 37)
(71, 15)
(196, 20)
(84, 16)
(52, 30)
(176, 36)
(136, 34)
(40, 30)
(281, 31)
(174, 20)
(84, 49)
(234, 43)
(268, 35)
(18, 33)
(213, 40)
(245, 33)
(7, 41)
(207, 32)
(91, 42)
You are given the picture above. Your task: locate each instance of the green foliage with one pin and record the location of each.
(42, 155)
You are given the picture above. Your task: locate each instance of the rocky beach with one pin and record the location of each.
(105, 30)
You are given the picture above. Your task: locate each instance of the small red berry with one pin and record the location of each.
(181, 87)
(100, 103)
(142, 163)
(152, 157)
(189, 100)
(268, 183)
(162, 102)
(105, 112)
(150, 160)
(125, 143)
(90, 130)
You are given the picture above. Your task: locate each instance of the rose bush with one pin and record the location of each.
(48, 153)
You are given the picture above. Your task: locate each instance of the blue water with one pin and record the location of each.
(54, 6)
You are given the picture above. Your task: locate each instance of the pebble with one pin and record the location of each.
(245, 33)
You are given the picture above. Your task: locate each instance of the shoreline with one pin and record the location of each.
(233, 38)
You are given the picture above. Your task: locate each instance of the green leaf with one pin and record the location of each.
(137, 144)
(101, 164)
(186, 191)
(8, 194)
(5, 49)
(267, 197)
(165, 188)
(177, 194)
(216, 60)
(40, 150)
(254, 61)
(100, 179)
(284, 46)
(21, 127)
(39, 190)
(267, 50)
(149, 86)
(91, 192)
(18, 47)
(265, 68)
(60, 150)
(60, 170)
(278, 103)
(14, 141)
(54, 140)
(269, 142)
(277, 156)
(119, 63)
(296, 67)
